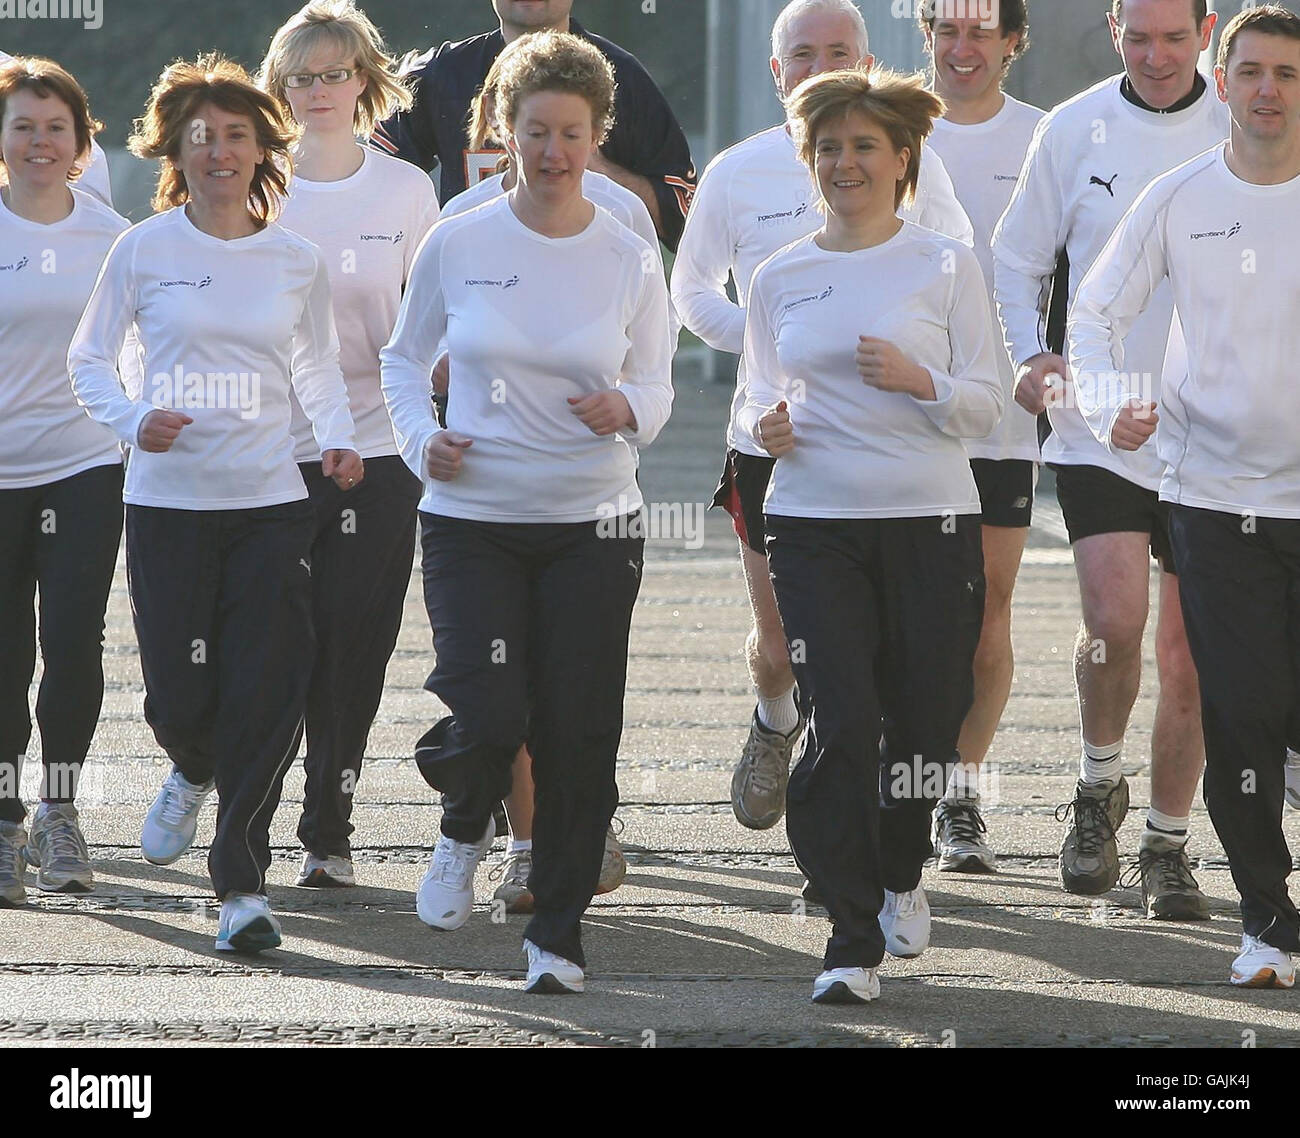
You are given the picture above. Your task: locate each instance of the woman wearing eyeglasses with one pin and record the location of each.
(366, 212)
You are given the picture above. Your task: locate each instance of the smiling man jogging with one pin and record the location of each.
(1222, 229)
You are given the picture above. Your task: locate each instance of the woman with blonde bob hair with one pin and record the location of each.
(231, 312)
(556, 321)
(367, 213)
(870, 357)
(55, 465)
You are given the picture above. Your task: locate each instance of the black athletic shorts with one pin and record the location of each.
(741, 492)
(1095, 500)
(1006, 489)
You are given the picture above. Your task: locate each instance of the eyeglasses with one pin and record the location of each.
(331, 78)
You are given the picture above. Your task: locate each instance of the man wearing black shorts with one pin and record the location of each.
(1089, 160)
(982, 139)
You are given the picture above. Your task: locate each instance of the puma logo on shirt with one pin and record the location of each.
(16, 267)
(1096, 181)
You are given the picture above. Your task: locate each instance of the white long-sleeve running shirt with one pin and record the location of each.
(225, 327)
(984, 160)
(46, 275)
(529, 322)
(754, 198)
(1089, 160)
(628, 209)
(367, 227)
(860, 452)
(1229, 424)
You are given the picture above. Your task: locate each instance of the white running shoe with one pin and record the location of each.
(325, 872)
(1260, 965)
(905, 921)
(172, 819)
(1292, 779)
(549, 974)
(446, 895)
(846, 986)
(247, 924)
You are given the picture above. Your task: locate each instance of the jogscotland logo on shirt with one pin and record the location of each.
(15, 266)
(1228, 233)
(393, 238)
(510, 283)
(784, 217)
(809, 299)
(187, 284)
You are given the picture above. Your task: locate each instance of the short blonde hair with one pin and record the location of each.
(899, 104)
(555, 61)
(44, 77)
(342, 25)
(183, 90)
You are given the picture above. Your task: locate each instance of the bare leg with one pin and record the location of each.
(1114, 581)
(765, 647)
(519, 802)
(994, 661)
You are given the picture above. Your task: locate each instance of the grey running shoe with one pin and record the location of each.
(959, 837)
(758, 786)
(1089, 854)
(613, 866)
(1169, 891)
(12, 865)
(513, 875)
(334, 872)
(57, 851)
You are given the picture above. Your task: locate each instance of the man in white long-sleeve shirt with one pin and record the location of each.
(1222, 230)
(755, 198)
(1089, 160)
(982, 139)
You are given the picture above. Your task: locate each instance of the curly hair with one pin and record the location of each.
(555, 61)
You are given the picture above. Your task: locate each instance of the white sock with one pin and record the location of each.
(964, 782)
(1167, 826)
(779, 714)
(1100, 764)
(519, 845)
